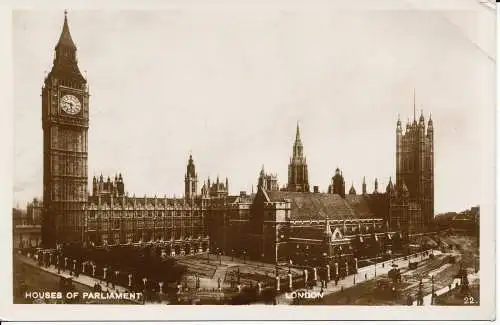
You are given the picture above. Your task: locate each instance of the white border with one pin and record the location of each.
(9, 311)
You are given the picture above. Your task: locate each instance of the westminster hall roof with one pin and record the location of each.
(321, 206)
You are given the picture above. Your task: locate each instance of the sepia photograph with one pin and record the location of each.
(259, 155)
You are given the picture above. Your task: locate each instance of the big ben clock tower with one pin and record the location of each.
(65, 120)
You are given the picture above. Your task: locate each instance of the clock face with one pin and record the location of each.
(70, 104)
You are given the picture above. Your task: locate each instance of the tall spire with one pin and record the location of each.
(297, 146)
(297, 135)
(65, 38)
(414, 109)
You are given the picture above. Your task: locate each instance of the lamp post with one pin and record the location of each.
(220, 256)
(144, 281)
(432, 292)
(245, 256)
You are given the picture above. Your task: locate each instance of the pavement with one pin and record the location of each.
(82, 278)
(371, 272)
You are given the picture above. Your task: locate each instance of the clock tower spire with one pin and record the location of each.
(65, 120)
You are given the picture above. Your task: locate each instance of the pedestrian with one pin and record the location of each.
(366, 276)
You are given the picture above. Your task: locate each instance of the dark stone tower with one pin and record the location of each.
(338, 183)
(298, 180)
(65, 121)
(190, 180)
(415, 165)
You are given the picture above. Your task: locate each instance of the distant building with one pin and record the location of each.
(34, 212)
(27, 225)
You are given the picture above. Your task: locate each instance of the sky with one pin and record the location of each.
(229, 85)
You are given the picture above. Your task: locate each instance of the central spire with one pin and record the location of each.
(297, 146)
(297, 169)
(297, 135)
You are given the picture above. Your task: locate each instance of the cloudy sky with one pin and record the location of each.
(229, 84)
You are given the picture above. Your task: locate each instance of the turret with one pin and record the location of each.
(404, 190)
(338, 184)
(328, 231)
(430, 128)
(364, 186)
(389, 190)
(352, 190)
(94, 186)
(398, 126)
(190, 180)
(375, 190)
(421, 124)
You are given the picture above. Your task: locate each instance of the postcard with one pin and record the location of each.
(247, 161)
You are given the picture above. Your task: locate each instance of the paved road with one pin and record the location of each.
(371, 272)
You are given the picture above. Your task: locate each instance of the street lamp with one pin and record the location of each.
(245, 256)
(432, 292)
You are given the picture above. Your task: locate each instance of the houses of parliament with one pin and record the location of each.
(273, 224)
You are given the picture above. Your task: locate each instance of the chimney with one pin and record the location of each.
(316, 189)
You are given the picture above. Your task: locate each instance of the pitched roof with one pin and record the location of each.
(322, 206)
(65, 38)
